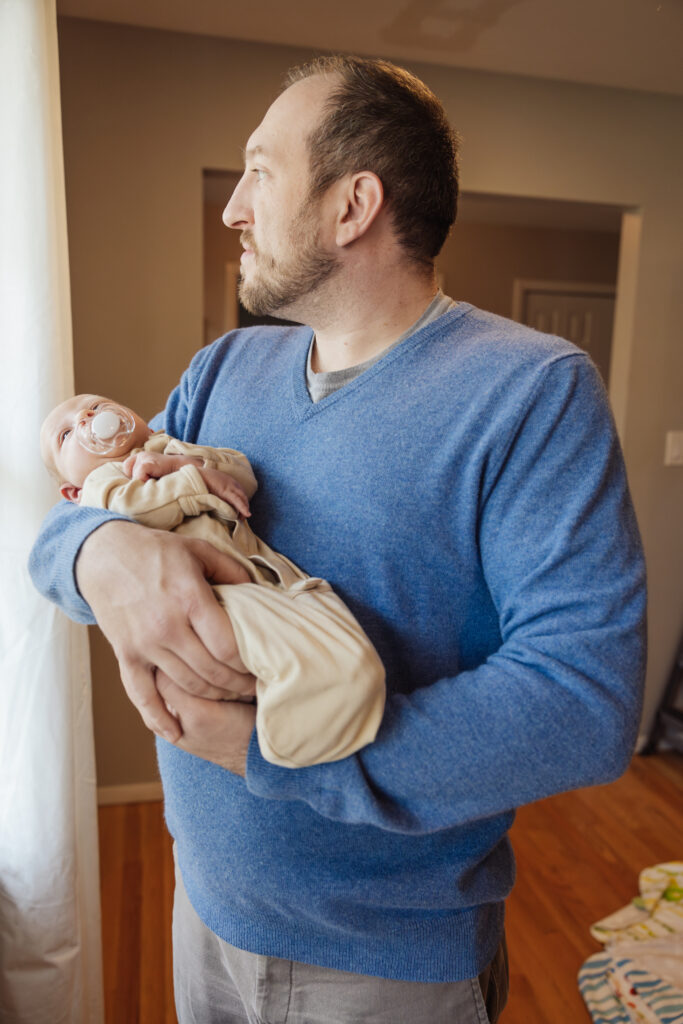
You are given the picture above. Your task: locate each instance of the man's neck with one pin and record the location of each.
(362, 322)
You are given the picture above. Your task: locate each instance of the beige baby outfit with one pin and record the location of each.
(319, 681)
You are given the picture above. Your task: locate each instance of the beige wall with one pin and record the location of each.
(144, 112)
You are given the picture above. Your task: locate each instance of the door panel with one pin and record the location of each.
(584, 319)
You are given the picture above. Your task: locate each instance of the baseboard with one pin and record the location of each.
(663, 745)
(134, 793)
(641, 741)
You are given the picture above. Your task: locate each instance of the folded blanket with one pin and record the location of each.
(639, 976)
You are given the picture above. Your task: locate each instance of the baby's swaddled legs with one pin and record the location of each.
(320, 683)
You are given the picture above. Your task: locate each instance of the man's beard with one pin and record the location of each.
(277, 285)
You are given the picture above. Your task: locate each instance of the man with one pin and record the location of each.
(457, 479)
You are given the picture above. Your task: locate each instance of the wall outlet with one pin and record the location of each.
(673, 449)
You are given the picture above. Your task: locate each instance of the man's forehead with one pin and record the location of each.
(266, 145)
(292, 115)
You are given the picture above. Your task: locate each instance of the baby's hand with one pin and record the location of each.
(146, 465)
(227, 488)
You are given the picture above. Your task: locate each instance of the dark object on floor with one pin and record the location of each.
(668, 723)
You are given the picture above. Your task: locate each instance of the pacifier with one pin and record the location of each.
(107, 430)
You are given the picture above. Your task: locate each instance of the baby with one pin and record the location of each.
(319, 681)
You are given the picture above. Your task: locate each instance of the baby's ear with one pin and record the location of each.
(70, 492)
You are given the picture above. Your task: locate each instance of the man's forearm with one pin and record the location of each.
(53, 558)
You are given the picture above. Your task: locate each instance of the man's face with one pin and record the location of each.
(62, 450)
(285, 255)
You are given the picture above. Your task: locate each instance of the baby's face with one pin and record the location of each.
(62, 450)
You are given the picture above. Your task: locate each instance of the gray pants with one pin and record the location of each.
(216, 983)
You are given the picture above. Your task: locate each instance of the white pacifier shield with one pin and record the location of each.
(107, 431)
(105, 424)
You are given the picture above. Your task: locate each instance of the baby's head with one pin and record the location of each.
(82, 433)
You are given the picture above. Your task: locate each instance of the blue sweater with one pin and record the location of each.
(467, 497)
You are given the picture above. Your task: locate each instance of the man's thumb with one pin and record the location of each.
(218, 567)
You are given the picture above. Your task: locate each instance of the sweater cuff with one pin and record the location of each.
(273, 781)
(79, 608)
(52, 563)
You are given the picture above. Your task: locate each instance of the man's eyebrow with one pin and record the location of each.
(252, 152)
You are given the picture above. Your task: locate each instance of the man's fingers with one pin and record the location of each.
(217, 641)
(218, 731)
(150, 595)
(186, 705)
(228, 682)
(140, 685)
(218, 568)
(213, 629)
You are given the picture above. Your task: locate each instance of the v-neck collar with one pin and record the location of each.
(302, 402)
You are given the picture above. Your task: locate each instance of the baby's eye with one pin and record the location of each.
(63, 435)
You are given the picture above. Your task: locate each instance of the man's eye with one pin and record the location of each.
(259, 172)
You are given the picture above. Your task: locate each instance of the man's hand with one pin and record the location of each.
(146, 465)
(217, 730)
(150, 593)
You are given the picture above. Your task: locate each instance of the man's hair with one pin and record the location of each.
(383, 119)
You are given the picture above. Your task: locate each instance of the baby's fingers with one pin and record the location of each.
(237, 498)
(128, 464)
(227, 488)
(147, 465)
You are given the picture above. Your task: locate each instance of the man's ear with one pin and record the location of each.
(362, 199)
(70, 492)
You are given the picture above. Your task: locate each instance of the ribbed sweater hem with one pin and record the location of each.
(450, 947)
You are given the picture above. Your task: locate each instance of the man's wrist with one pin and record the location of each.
(89, 553)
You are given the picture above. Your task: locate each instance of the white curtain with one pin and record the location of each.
(50, 944)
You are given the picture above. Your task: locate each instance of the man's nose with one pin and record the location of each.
(238, 213)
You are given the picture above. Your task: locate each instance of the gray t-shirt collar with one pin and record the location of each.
(320, 385)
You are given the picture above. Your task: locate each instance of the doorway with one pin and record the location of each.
(580, 312)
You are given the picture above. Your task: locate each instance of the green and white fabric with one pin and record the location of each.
(639, 976)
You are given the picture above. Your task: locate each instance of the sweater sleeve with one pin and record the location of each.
(52, 561)
(557, 706)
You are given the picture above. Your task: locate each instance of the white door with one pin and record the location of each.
(582, 314)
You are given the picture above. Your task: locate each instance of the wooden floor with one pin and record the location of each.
(578, 858)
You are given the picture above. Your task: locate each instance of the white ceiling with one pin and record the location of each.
(632, 44)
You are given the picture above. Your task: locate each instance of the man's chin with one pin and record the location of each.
(260, 305)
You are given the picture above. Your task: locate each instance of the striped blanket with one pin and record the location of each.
(638, 978)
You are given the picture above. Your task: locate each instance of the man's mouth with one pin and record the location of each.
(247, 243)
